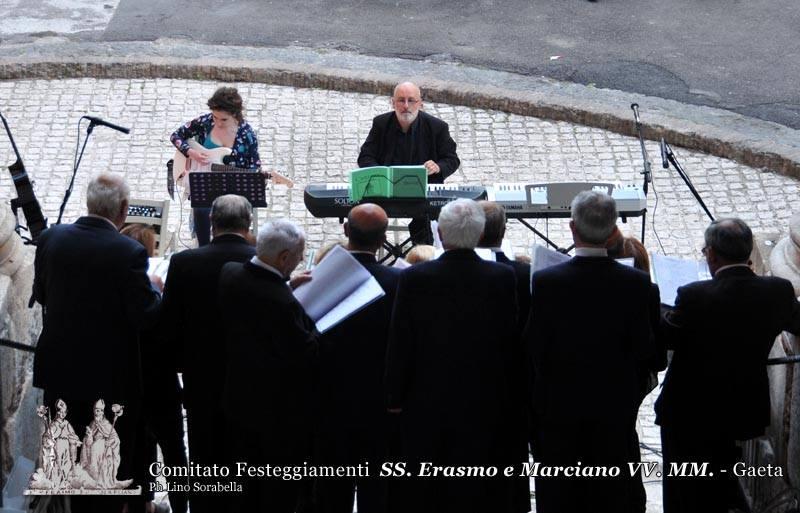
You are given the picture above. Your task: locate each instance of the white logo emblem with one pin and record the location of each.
(95, 473)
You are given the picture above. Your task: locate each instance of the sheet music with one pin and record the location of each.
(544, 257)
(670, 273)
(368, 292)
(337, 277)
(158, 266)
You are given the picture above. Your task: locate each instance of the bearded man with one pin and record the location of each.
(410, 136)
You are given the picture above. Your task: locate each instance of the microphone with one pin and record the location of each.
(664, 161)
(635, 107)
(98, 121)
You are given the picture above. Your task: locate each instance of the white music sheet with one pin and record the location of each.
(670, 273)
(544, 257)
(339, 288)
(365, 294)
(158, 266)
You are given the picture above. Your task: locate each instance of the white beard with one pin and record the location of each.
(409, 117)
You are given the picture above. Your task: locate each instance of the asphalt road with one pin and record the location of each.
(742, 55)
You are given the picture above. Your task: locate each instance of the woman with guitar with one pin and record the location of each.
(202, 140)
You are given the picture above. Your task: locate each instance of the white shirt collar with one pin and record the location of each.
(260, 263)
(591, 252)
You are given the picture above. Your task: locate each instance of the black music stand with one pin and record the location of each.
(206, 187)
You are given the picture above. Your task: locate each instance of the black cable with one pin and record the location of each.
(16, 345)
(649, 448)
(785, 360)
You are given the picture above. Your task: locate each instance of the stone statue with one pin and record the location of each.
(100, 455)
(784, 260)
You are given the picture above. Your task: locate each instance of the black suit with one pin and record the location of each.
(353, 420)
(195, 331)
(431, 141)
(522, 271)
(716, 390)
(268, 392)
(95, 295)
(589, 334)
(428, 139)
(451, 368)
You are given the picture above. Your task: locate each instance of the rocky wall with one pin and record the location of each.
(779, 256)
(20, 428)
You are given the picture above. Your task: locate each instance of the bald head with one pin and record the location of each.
(407, 89)
(366, 227)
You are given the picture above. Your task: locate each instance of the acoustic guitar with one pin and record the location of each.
(182, 166)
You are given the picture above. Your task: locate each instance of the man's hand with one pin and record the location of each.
(299, 278)
(432, 167)
(198, 156)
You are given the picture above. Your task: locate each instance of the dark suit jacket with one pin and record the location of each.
(523, 273)
(192, 322)
(589, 334)
(451, 344)
(432, 141)
(352, 357)
(95, 294)
(722, 331)
(272, 346)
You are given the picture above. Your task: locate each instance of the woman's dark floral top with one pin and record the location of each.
(245, 146)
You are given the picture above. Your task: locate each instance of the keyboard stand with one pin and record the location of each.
(541, 235)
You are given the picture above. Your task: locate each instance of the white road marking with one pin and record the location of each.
(54, 16)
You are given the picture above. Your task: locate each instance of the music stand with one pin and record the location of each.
(206, 187)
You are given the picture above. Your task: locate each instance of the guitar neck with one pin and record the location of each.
(223, 167)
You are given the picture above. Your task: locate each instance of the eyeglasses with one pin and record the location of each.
(409, 101)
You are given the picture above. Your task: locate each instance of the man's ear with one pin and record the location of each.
(347, 229)
(122, 215)
(575, 236)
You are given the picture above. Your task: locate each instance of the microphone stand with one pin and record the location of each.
(646, 173)
(68, 192)
(686, 180)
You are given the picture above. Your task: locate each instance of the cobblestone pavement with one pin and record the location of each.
(314, 136)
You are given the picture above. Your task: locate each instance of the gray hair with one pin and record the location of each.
(277, 236)
(105, 195)
(461, 224)
(594, 215)
(407, 82)
(230, 213)
(730, 238)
